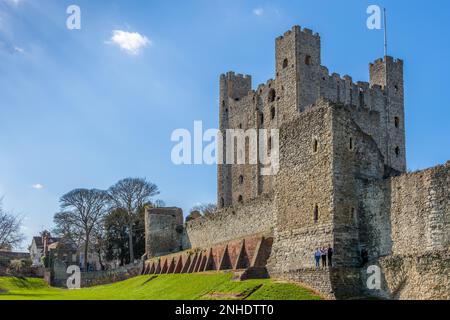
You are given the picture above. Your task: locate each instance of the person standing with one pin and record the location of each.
(317, 255)
(324, 257)
(330, 256)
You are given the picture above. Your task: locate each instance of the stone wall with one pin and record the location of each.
(417, 277)
(407, 214)
(254, 217)
(335, 283)
(412, 277)
(420, 211)
(57, 277)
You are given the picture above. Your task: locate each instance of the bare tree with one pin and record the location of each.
(205, 208)
(10, 235)
(82, 211)
(130, 195)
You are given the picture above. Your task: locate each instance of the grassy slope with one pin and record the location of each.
(164, 287)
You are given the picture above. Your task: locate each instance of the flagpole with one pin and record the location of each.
(385, 33)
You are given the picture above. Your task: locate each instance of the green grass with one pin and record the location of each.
(163, 287)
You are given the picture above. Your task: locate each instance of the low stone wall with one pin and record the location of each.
(331, 283)
(89, 279)
(256, 216)
(58, 276)
(317, 280)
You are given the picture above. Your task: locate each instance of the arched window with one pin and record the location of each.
(240, 199)
(351, 144)
(241, 179)
(272, 95)
(222, 202)
(285, 63)
(397, 151)
(307, 60)
(272, 113)
(261, 118)
(316, 213)
(397, 122)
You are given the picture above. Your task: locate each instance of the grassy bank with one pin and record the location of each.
(163, 287)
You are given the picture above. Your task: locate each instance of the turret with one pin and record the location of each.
(298, 60)
(388, 73)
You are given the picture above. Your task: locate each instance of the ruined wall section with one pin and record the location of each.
(406, 215)
(420, 211)
(303, 190)
(163, 231)
(254, 217)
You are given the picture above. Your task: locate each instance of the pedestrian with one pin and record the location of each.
(330, 256)
(324, 257)
(317, 255)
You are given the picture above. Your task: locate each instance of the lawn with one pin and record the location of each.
(163, 287)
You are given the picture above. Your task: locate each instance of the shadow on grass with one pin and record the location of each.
(148, 280)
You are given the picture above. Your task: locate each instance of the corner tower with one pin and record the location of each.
(233, 88)
(298, 60)
(388, 73)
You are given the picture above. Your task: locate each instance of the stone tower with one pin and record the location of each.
(388, 74)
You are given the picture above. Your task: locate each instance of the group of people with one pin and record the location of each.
(324, 254)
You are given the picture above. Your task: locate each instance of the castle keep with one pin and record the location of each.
(341, 182)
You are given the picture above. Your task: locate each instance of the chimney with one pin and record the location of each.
(45, 238)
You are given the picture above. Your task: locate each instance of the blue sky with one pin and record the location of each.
(78, 110)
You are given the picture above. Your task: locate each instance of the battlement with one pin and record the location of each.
(231, 75)
(298, 30)
(235, 86)
(387, 59)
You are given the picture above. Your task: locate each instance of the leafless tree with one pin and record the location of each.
(130, 195)
(205, 208)
(10, 234)
(82, 211)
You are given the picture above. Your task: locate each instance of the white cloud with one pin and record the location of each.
(258, 11)
(37, 186)
(19, 49)
(131, 42)
(14, 2)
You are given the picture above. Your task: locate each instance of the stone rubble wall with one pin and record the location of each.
(420, 211)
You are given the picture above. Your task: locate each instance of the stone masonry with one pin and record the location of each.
(341, 182)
